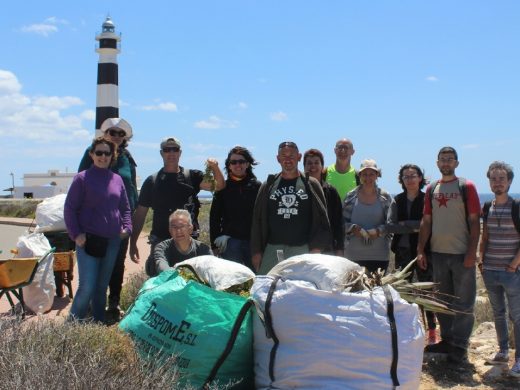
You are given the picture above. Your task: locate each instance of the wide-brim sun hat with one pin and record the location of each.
(117, 123)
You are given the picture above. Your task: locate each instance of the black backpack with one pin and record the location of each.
(515, 208)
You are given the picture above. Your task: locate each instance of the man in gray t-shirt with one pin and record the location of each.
(181, 246)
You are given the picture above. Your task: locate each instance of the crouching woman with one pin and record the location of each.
(97, 215)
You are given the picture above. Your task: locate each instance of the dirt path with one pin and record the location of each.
(61, 306)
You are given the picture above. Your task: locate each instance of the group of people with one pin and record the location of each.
(334, 210)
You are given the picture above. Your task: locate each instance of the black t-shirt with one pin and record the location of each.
(169, 192)
(289, 213)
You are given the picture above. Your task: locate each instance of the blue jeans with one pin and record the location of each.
(501, 285)
(238, 251)
(459, 282)
(94, 276)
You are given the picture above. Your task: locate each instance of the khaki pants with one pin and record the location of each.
(270, 258)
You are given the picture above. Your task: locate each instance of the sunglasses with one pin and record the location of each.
(235, 162)
(117, 133)
(170, 149)
(100, 153)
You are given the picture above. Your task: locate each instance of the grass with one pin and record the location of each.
(46, 354)
(18, 208)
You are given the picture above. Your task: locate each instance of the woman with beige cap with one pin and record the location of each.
(118, 131)
(365, 211)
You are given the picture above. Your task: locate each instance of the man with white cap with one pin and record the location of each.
(119, 132)
(172, 187)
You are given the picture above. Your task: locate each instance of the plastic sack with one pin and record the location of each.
(49, 214)
(196, 324)
(324, 271)
(39, 295)
(310, 338)
(219, 273)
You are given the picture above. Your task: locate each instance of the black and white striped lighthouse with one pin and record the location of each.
(107, 97)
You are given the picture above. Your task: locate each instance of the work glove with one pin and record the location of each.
(221, 243)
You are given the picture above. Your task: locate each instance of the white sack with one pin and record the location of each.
(39, 295)
(325, 271)
(220, 274)
(49, 214)
(334, 340)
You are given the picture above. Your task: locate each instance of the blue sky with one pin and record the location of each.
(399, 78)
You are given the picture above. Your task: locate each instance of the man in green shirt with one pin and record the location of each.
(342, 175)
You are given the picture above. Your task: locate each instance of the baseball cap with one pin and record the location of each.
(170, 141)
(369, 164)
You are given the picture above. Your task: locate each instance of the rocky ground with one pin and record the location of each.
(439, 374)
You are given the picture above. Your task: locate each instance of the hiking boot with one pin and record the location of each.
(515, 370)
(501, 357)
(432, 337)
(458, 355)
(441, 347)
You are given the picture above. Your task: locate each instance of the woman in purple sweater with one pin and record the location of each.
(97, 215)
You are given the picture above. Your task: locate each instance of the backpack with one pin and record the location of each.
(193, 205)
(463, 192)
(515, 208)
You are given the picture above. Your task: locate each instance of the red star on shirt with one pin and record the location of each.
(443, 201)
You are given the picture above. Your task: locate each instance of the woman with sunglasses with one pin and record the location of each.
(231, 212)
(118, 131)
(97, 215)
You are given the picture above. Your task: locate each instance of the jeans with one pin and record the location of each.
(238, 251)
(116, 280)
(501, 285)
(94, 275)
(460, 283)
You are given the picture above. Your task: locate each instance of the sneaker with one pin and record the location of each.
(515, 370)
(441, 347)
(432, 337)
(458, 355)
(501, 357)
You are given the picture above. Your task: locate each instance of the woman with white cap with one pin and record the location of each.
(118, 131)
(365, 212)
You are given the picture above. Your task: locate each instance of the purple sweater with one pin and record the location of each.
(97, 203)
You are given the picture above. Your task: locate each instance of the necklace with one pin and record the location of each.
(502, 213)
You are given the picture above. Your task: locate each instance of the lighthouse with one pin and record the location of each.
(107, 97)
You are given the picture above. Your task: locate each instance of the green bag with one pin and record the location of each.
(210, 332)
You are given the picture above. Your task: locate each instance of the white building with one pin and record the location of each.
(44, 185)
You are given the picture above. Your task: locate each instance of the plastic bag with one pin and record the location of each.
(220, 274)
(194, 323)
(39, 295)
(49, 214)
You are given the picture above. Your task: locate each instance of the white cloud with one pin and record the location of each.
(431, 79)
(8, 83)
(89, 115)
(201, 148)
(278, 116)
(38, 118)
(40, 29)
(242, 105)
(45, 28)
(214, 122)
(57, 103)
(167, 106)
